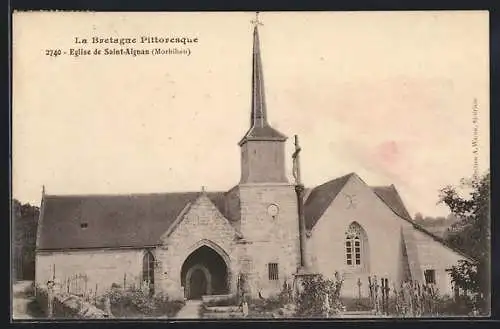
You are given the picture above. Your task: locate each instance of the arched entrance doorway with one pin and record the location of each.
(198, 282)
(204, 272)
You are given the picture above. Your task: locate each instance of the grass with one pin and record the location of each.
(357, 304)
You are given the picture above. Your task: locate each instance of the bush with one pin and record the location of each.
(467, 276)
(266, 305)
(264, 308)
(312, 300)
(274, 306)
(138, 303)
(462, 306)
(165, 306)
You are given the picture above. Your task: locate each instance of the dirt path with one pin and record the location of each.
(190, 310)
(23, 301)
(20, 308)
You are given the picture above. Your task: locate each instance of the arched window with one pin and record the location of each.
(148, 267)
(356, 246)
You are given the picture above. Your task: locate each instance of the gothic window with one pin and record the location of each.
(354, 245)
(148, 267)
(273, 271)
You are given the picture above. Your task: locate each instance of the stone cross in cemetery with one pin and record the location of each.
(50, 298)
(305, 269)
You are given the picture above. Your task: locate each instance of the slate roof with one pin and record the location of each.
(139, 220)
(135, 220)
(391, 198)
(263, 133)
(320, 199)
(322, 196)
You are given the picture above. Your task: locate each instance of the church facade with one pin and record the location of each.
(192, 244)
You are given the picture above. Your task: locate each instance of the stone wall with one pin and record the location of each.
(202, 225)
(383, 228)
(263, 162)
(383, 232)
(434, 256)
(232, 206)
(66, 306)
(272, 239)
(102, 267)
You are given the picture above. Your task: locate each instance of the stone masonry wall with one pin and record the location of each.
(103, 267)
(202, 225)
(433, 255)
(272, 240)
(383, 230)
(263, 161)
(66, 306)
(232, 206)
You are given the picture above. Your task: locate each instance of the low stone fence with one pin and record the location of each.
(66, 306)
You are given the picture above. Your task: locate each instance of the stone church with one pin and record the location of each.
(192, 244)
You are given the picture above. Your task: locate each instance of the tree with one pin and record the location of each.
(471, 234)
(451, 218)
(24, 222)
(419, 218)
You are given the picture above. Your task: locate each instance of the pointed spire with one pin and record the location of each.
(258, 115)
(259, 126)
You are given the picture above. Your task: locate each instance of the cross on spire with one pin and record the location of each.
(256, 21)
(259, 126)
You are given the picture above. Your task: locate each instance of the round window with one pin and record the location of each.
(273, 210)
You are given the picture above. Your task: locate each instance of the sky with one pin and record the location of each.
(388, 95)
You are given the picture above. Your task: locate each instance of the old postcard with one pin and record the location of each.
(274, 165)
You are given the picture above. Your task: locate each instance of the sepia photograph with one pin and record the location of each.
(250, 165)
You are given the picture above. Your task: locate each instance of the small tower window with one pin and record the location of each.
(84, 225)
(273, 271)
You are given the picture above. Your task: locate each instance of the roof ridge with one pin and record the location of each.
(108, 223)
(438, 239)
(126, 194)
(380, 186)
(333, 179)
(329, 190)
(421, 228)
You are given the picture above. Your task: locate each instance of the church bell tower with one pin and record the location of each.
(262, 147)
(268, 202)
